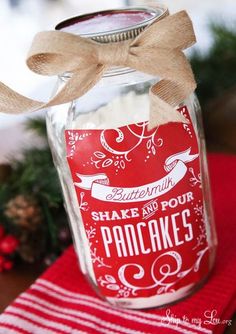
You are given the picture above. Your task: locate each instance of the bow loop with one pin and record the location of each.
(173, 32)
(57, 52)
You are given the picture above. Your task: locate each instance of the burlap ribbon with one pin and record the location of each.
(156, 51)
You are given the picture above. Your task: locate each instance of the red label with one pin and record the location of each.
(141, 202)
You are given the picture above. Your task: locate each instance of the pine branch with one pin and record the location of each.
(36, 174)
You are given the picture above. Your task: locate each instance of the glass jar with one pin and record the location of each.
(138, 201)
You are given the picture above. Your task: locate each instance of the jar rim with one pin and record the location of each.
(131, 31)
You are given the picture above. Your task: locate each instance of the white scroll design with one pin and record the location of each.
(164, 277)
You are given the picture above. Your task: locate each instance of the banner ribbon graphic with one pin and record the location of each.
(175, 165)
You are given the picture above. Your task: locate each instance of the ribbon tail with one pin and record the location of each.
(162, 112)
(167, 94)
(80, 83)
(12, 102)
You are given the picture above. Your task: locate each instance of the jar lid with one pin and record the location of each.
(113, 25)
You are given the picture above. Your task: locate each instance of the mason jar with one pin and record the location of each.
(138, 200)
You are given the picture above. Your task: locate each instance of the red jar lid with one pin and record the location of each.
(113, 25)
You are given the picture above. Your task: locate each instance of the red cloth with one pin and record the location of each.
(61, 301)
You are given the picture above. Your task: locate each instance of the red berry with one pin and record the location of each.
(8, 265)
(2, 232)
(8, 244)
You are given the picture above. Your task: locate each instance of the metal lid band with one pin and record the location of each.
(117, 35)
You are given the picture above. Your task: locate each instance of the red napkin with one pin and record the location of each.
(61, 301)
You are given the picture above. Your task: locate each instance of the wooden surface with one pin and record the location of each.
(17, 280)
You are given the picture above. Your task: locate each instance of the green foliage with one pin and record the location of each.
(38, 125)
(215, 71)
(35, 173)
(36, 176)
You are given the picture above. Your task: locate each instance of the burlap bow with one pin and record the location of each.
(156, 51)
